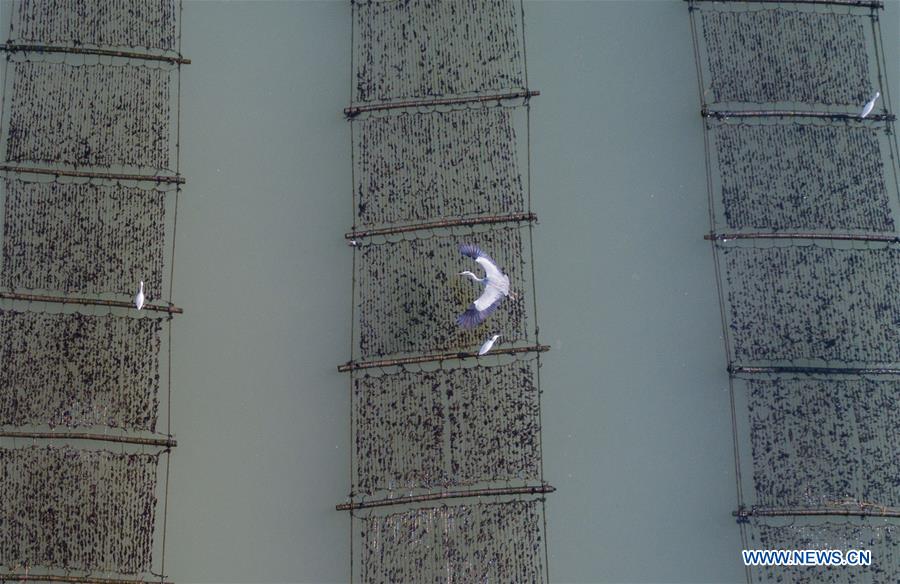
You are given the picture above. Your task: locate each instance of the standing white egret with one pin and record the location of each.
(496, 288)
(867, 109)
(139, 297)
(488, 344)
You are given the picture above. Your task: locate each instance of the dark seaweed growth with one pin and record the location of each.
(416, 167)
(409, 293)
(483, 542)
(83, 238)
(446, 428)
(79, 370)
(793, 303)
(417, 49)
(150, 24)
(783, 55)
(80, 114)
(440, 160)
(818, 442)
(803, 176)
(809, 278)
(77, 509)
(90, 115)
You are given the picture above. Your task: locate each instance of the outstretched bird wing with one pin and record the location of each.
(482, 308)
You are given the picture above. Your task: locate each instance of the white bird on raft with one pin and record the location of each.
(488, 344)
(139, 297)
(867, 109)
(496, 288)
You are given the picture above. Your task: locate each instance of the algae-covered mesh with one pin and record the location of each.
(803, 176)
(79, 370)
(409, 292)
(786, 55)
(430, 48)
(446, 428)
(83, 238)
(77, 509)
(477, 542)
(817, 442)
(149, 24)
(813, 303)
(420, 166)
(90, 115)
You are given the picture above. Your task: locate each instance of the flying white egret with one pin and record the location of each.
(139, 297)
(488, 344)
(867, 109)
(496, 288)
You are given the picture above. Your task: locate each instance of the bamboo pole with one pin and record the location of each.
(511, 218)
(536, 490)
(90, 174)
(867, 510)
(353, 111)
(721, 115)
(798, 235)
(353, 365)
(739, 369)
(88, 301)
(17, 48)
(29, 577)
(166, 442)
(859, 3)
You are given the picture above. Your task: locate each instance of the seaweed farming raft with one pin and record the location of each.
(89, 140)
(446, 475)
(803, 205)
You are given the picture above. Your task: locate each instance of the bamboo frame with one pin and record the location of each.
(721, 115)
(859, 3)
(866, 510)
(535, 490)
(157, 178)
(354, 365)
(355, 110)
(740, 369)
(165, 442)
(800, 235)
(88, 301)
(28, 577)
(511, 218)
(17, 48)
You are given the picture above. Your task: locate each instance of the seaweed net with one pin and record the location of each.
(824, 442)
(421, 430)
(151, 24)
(804, 176)
(71, 369)
(478, 542)
(814, 303)
(803, 55)
(416, 166)
(409, 293)
(406, 49)
(882, 539)
(90, 115)
(83, 237)
(447, 427)
(77, 509)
